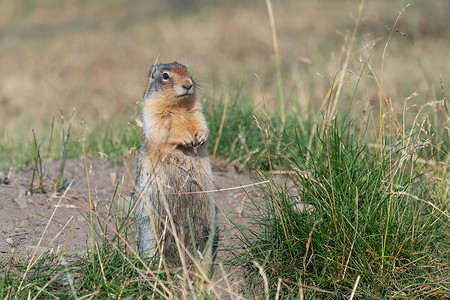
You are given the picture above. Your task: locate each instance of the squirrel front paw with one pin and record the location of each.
(198, 139)
(188, 141)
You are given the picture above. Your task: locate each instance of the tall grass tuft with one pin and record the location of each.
(352, 211)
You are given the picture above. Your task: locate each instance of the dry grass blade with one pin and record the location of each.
(264, 277)
(308, 244)
(90, 204)
(380, 85)
(31, 262)
(277, 61)
(355, 287)
(227, 99)
(220, 190)
(341, 75)
(277, 295)
(446, 214)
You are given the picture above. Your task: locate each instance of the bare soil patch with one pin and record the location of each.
(58, 222)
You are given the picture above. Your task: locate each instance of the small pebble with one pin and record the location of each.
(9, 241)
(20, 199)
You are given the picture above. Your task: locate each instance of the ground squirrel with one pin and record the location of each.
(174, 169)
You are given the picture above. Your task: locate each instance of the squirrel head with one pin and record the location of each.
(170, 81)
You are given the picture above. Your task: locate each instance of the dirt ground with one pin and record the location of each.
(60, 223)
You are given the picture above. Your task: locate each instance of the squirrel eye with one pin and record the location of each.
(165, 76)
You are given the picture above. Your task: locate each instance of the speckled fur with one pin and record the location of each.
(173, 163)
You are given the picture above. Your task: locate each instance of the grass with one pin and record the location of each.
(105, 273)
(372, 215)
(355, 212)
(106, 139)
(365, 148)
(241, 142)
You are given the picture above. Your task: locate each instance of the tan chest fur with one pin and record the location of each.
(167, 125)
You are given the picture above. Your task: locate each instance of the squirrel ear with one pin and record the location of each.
(152, 71)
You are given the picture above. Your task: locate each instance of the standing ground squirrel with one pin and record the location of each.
(174, 169)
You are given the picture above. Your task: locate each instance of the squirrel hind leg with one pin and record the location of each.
(147, 245)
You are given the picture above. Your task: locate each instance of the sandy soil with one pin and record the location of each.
(50, 221)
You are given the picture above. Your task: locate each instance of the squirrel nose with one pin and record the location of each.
(187, 84)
